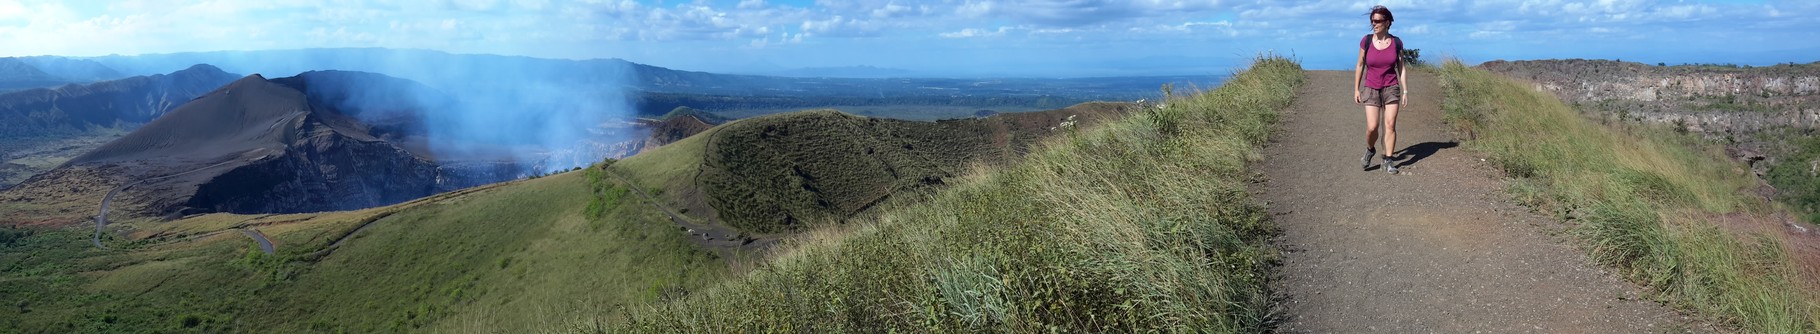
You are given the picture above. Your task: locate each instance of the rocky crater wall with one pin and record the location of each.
(1715, 100)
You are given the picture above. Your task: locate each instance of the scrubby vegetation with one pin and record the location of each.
(1141, 225)
(1668, 209)
(1413, 57)
(1797, 176)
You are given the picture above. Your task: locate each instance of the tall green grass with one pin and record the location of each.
(1667, 209)
(1141, 225)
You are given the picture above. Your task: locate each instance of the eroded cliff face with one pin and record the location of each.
(1759, 112)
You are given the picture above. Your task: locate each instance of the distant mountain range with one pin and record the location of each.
(81, 107)
(41, 127)
(40, 72)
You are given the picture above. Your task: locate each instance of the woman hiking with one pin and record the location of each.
(1379, 84)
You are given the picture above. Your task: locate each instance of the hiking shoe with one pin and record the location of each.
(1366, 161)
(1390, 165)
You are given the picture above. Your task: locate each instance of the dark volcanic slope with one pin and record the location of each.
(126, 102)
(262, 146)
(245, 115)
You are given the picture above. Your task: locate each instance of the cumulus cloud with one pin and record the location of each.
(972, 32)
(1076, 13)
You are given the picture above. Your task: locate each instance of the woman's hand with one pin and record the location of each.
(1403, 98)
(1355, 96)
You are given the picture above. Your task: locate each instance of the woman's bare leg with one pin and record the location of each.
(1371, 127)
(1390, 128)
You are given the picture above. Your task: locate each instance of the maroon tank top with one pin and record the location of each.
(1380, 65)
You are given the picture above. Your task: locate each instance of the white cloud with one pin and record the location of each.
(534, 5)
(892, 10)
(11, 10)
(972, 32)
(1224, 28)
(1077, 13)
(823, 26)
(1417, 30)
(473, 5)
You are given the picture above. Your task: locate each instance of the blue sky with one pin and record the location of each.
(933, 37)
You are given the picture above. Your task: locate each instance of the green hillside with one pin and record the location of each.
(1140, 225)
(502, 257)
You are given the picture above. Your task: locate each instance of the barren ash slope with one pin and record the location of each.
(260, 146)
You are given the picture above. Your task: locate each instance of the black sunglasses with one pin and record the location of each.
(1376, 21)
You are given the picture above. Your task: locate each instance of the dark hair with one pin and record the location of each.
(1381, 10)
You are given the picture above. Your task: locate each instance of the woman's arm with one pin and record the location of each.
(1403, 80)
(1358, 74)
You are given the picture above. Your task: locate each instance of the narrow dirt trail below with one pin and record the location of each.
(1438, 248)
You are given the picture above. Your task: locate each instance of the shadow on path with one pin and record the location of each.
(1410, 155)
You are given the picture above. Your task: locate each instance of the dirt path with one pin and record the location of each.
(259, 237)
(1438, 248)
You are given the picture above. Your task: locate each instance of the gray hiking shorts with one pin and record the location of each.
(1378, 97)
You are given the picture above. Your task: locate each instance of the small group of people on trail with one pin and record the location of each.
(1381, 85)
